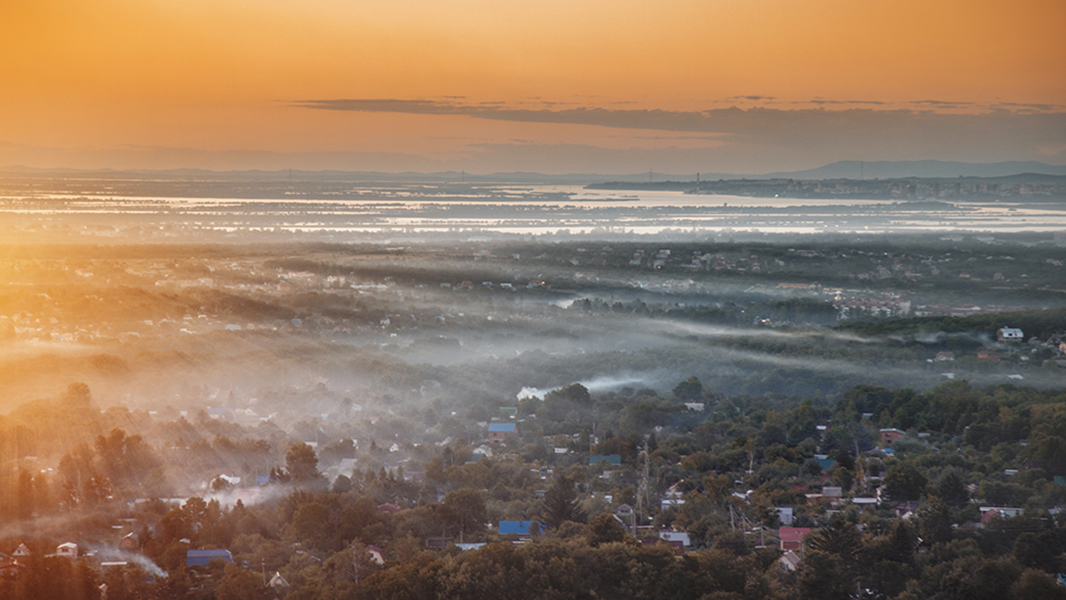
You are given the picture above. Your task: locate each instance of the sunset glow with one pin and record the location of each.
(88, 83)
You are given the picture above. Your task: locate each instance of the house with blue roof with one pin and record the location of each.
(615, 460)
(201, 558)
(519, 528)
(499, 432)
(825, 462)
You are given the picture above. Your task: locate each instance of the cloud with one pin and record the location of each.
(1019, 106)
(789, 139)
(717, 140)
(943, 103)
(822, 102)
(749, 122)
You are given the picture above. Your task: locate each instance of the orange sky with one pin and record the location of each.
(224, 75)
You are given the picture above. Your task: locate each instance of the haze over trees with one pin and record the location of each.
(322, 412)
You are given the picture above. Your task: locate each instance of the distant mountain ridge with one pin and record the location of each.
(882, 169)
(846, 169)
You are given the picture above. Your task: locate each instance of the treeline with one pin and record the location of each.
(1039, 323)
(739, 313)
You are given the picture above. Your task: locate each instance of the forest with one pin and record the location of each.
(428, 527)
(718, 419)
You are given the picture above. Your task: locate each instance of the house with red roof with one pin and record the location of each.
(792, 537)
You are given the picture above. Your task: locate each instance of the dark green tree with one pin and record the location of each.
(604, 529)
(342, 484)
(839, 537)
(951, 488)
(689, 389)
(823, 576)
(302, 464)
(1039, 550)
(905, 482)
(560, 503)
(1035, 585)
(934, 521)
(464, 510)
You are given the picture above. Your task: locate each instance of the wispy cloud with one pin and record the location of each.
(624, 139)
(1023, 107)
(1000, 126)
(824, 102)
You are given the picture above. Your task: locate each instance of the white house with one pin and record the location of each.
(1010, 334)
(68, 549)
(789, 561)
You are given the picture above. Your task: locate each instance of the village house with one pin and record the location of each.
(681, 537)
(789, 561)
(1004, 512)
(68, 550)
(892, 435)
(481, 452)
(792, 537)
(615, 460)
(519, 528)
(131, 541)
(377, 555)
(201, 558)
(278, 581)
(500, 432)
(834, 494)
(987, 355)
(1009, 335)
(784, 514)
(671, 498)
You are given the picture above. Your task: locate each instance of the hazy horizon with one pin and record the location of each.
(584, 87)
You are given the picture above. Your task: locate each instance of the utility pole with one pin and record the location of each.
(642, 487)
